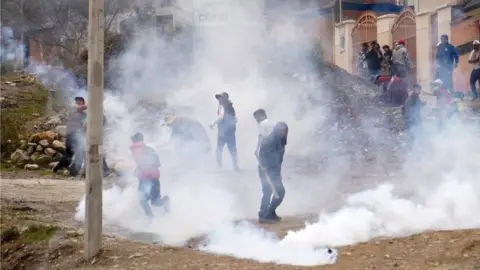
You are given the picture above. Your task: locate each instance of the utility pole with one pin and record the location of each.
(93, 163)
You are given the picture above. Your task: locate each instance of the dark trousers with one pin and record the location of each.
(74, 150)
(231, 142)
(74, 155)
(446, 75)
(149, 191)
(268, 204)
(474, 78)
(413, 127)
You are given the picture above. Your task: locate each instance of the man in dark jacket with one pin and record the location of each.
(148, 174)
(75, 139)
(190, 135)
(387, 61)
(447, 59)
(374, 60)
(226, 123)
(272, 151)
(412, 111)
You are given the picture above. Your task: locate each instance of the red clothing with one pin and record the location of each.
(394, 90)
(382, 79)
(142, 156)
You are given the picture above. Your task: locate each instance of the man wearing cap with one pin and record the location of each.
(474, 59)
(400, 60)
(190, 136)
(226, 123)
(447, 59)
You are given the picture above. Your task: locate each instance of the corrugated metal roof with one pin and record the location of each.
(469, 5)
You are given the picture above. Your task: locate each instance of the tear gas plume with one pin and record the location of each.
(10, 49)
(271, 68)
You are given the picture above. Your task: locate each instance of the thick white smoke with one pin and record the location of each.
(10, 48)
(436, 189)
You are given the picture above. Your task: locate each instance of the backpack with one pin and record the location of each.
(149, 158)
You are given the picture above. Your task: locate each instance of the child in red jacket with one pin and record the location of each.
(148, 174)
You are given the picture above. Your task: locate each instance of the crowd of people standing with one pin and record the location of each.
(373, 61)
(389, 69)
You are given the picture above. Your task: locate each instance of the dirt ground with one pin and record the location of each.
(46, 237)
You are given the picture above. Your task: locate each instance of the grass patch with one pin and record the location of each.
(7, 167)
(30, 101)
(33, 234)
(37, 233)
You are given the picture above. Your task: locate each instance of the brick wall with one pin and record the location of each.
(39, 49)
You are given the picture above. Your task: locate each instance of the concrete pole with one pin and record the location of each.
(93, 162)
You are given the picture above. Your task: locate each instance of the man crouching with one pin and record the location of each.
(270, 156)
(148, 174)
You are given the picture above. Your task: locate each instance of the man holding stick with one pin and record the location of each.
(269, 153)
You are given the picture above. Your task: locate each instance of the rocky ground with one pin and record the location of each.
(38, 233)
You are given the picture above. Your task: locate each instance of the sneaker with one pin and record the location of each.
(274, 216)
(166, 203)
(266, 219)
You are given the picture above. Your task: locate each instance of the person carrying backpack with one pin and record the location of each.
(148, 174)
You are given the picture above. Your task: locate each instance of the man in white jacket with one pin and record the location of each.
(474, 59)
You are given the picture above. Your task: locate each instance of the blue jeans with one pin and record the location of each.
(268, 204)
(230, 140)
(149, 190)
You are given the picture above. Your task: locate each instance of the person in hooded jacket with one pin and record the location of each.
(271, 153)
(226, 123)
(447, 59)
(148, 174)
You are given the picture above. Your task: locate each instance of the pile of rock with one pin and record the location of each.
(41, 150)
